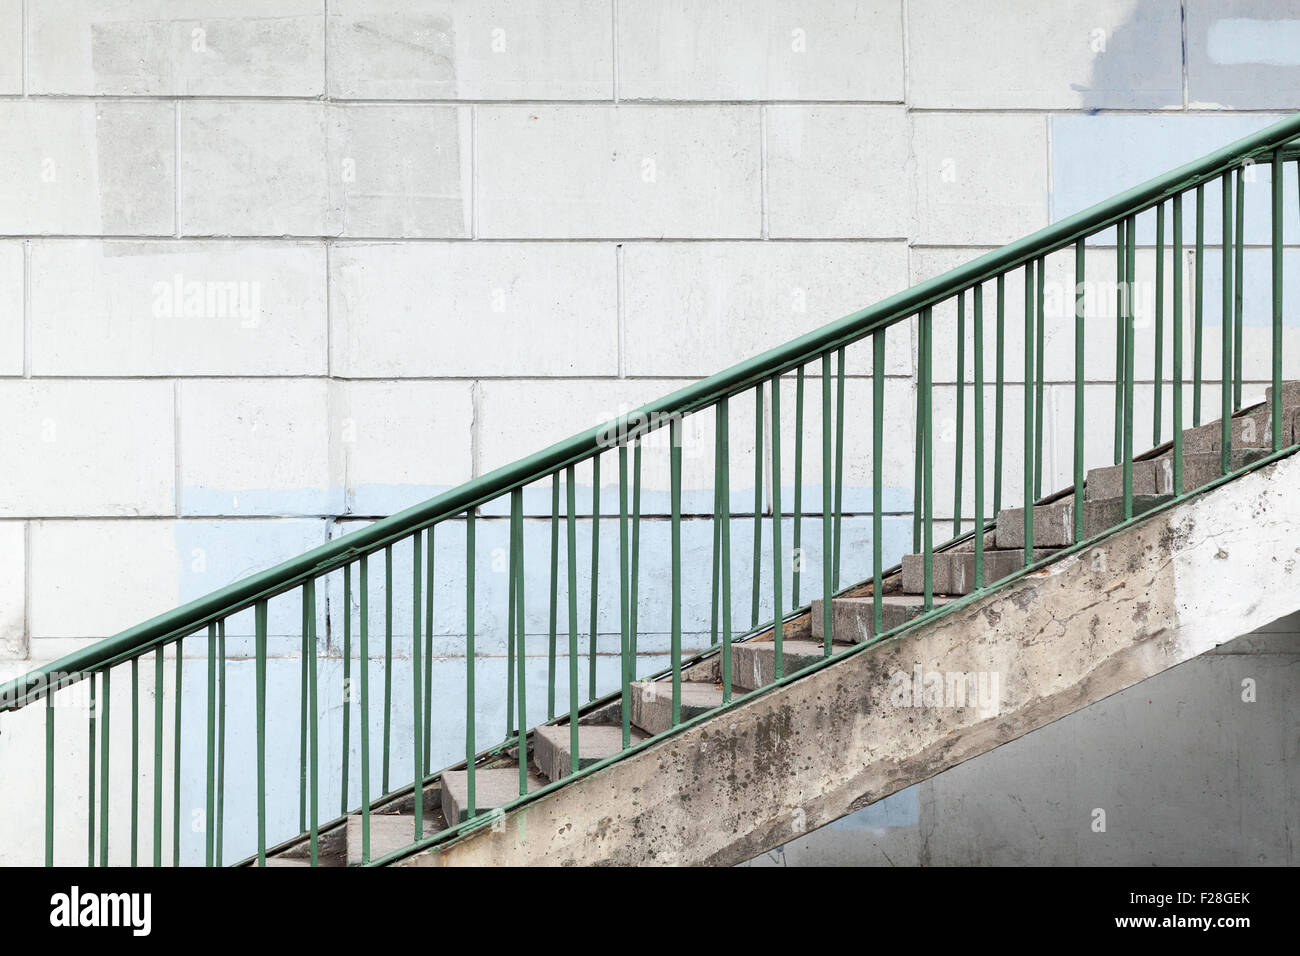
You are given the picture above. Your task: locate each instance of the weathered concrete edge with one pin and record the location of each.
(1146, 599)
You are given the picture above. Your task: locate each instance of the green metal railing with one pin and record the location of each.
(499, 500)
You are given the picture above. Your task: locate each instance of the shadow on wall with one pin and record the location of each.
(1129, 70)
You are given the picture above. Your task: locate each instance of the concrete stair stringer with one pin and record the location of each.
(843, 736)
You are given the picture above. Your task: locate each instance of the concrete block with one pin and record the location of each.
(493, 787)
(11, 47)
(766, 50)
(602, 171)
(427, 309)
(257, 447)
(1241, 54)
(1250, 429)
(683, 318)
(89, 168)
(11, 308)
(489, 50)
(403, 442)
(1054, 523)
(953, 572)
(979, 178)
(256, 169)
(86, 448)
(1155, 476)
(389, 832)
(838, 171)
(177, 48)
(1290, 395)
(105, 595)
(854, 620)
(1087, 54)
(168, 308)
(551, 746)
(652, 703)
(753, 663)
(401, 170)
(13, 592)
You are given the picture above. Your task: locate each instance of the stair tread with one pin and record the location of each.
(388, 832)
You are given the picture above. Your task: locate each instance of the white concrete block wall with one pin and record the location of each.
(269, 269)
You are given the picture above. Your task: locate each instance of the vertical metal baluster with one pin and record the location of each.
(675, 468)
(1225, 373)
(636, 549)
(302, 720)
(313, 743)
(778, 610)
(1277, 237)
(211, 766)
(724, 494)
(1120, 245)
(572, 568)
(595, 576)
(961, 413)
(259, 615)
(1039, 338)
(1080, 307)
(135, 761)
(417, 688)
(1158, 378)
(1130, 265)
(918, 440)
(999, 370)
(428, 646)
(1029, 414)
(103, 773)
(1198, 305)
(1176, 320)
(90, 787)
(927, 456)
(625, 662)
(979, 436)
(521, 649)
(828, 582)
(471, 658)
(510, 631)
(715, 602)
(49, 776)
(797, 553)
(877, 478)
(1239, 264)
(388, 661)
(347, 688)
(839, 463)
(157, 755)
(757, 562)
(553, 618)
(221, 740)
(363, 665)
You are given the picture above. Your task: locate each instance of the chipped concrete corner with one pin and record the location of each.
(1088, 626)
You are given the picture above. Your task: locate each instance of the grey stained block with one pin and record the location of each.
(493, 787)
(551, 746)
(1249, 430)
(1054, 523)
(953, 572)
(1290, 395)
(753, 663)
(1155, 476)
(388, 832)
(854, 620)
(652, 703)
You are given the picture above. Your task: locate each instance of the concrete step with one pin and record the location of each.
(1290, 394)
(1155, 476)
(753, 663)
(551, 745)
(1250, 429)
(1054, 523)
(388, 832)
(953, 572)
(855, 616)
(493, 787)
(652, 702)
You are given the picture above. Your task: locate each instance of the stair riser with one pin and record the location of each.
(854, 619)
(1156, 476)
(652, 705)
(953, 572)
(1250, 430)
(753, 664)
(1054, 523)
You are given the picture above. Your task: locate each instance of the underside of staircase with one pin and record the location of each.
(837, 734)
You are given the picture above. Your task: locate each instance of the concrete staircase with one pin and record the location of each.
(753, 666)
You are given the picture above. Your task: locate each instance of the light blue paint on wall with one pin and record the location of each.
(1096, 156)
(1235, 41)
